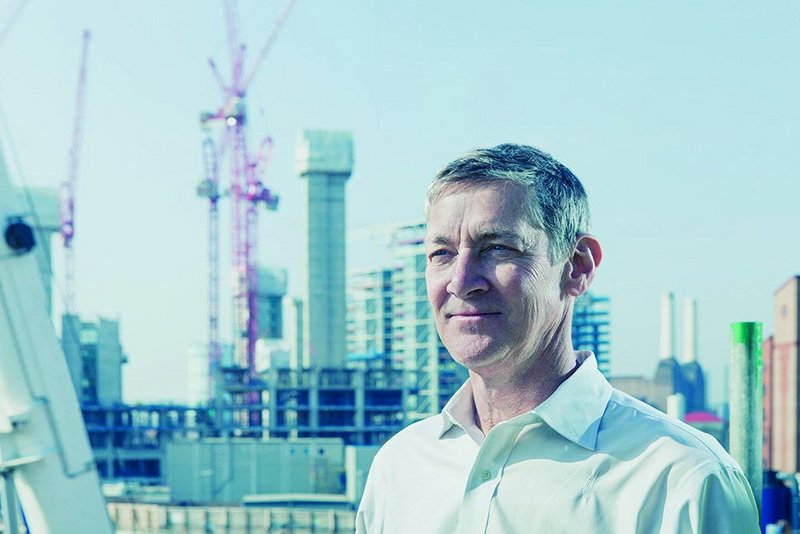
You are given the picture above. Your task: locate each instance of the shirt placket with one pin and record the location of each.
(484, 477)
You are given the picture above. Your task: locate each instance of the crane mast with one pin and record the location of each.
(246, 192)
(209, 188)
(67, 193)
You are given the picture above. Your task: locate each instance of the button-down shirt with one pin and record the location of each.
(588, 459)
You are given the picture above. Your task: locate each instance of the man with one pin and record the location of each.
(536, 440)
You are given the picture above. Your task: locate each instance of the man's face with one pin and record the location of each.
(496, 296)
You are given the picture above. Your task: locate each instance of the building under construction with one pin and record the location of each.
(392, 369)
(350, 364)
(360, 405)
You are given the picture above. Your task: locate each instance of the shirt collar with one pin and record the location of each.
(459, 410)
(574, 410)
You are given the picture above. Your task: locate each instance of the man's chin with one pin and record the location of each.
(478, 360)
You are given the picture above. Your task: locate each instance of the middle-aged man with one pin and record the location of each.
(536, 440)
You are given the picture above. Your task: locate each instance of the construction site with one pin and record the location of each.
(293, 402)
(291, 395)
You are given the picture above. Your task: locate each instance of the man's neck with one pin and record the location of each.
(503, 396)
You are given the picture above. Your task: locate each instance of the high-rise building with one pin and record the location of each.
(94, 357)
(415, 340)
(271, 291)
(782, 382)
(369, 315)
(591, 328)
(389, 319)
(324, 160)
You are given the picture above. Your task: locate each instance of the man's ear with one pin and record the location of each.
(580, 268)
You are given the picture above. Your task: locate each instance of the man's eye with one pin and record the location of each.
(498, 247)
(438, 254)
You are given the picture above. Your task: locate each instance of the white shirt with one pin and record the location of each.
(589, 459)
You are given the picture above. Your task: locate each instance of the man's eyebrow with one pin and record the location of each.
(482, 236)
(499, 234)
(439, 240)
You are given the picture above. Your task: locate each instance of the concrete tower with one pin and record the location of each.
(668, 378)
(324, 160)
(694, 378)
(690, 331)
(667, 346)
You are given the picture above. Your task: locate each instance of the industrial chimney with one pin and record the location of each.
(690, 331)
(667, 348)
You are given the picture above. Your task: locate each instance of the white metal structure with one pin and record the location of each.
(45, 458)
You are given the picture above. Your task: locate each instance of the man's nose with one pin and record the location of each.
(467, 278)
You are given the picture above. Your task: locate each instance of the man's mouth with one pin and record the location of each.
(470, 315)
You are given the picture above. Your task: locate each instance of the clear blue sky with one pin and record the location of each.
(681, 119)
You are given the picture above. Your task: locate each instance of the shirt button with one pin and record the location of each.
(486, 475)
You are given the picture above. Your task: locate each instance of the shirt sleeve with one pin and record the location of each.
(721, 502)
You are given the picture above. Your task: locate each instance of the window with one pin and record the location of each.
(419, 262)
(422, 333)
(421, 288)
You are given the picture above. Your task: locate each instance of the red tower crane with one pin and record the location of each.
(67, 193)
(246, 191)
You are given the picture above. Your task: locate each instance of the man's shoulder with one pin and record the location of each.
(636, 427)
(414, 435)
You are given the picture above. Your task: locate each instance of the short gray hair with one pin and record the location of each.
(557, 200)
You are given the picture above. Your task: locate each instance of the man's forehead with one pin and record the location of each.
(506, 196)
(501, 202)
(480, 183)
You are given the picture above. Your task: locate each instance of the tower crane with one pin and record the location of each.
(209, 188)
(246, 191)
(67, 193)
